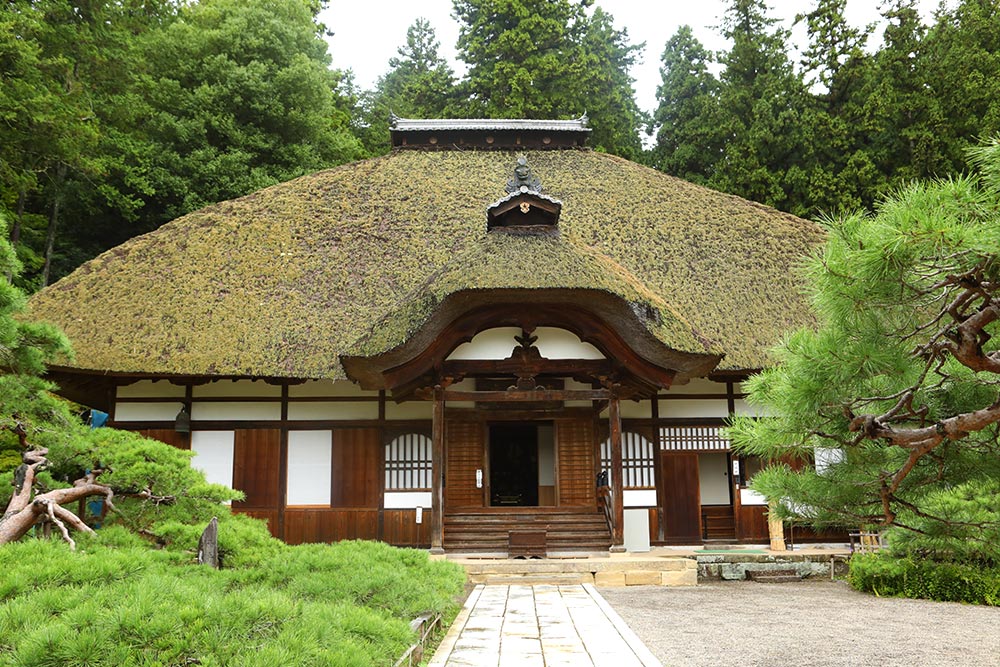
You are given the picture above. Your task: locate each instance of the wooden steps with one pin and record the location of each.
(718, 524)
(489, 531)
(774, 576)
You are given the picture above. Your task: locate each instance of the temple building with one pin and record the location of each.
(491, 334)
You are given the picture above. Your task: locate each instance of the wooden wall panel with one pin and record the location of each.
(752, 524)
(257, 467)
(330, 525)
(169, 436)
(575, 469)
(400, 528)
(355, 468)
(464, 454)
(682, 498)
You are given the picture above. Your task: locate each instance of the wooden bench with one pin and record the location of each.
(526, 544)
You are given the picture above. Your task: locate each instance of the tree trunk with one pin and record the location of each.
(15, 227)
(775, 529)
(50, 236)
(23, 512)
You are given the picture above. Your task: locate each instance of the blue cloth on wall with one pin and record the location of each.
(98, 418)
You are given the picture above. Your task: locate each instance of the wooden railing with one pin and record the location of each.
(605, 501)
(424, 626)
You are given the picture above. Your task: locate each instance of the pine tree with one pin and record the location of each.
(548, 59)
(963, 73)
(419, 84)
(688, 142)
(899, 376)
(902, 117)
(761, 101)
(840, 171)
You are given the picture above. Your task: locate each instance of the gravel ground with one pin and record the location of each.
(810, 623)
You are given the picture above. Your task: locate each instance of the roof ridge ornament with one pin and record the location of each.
(524, 180)
(525, 210)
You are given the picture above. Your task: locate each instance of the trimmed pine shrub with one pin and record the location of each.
(886, 575)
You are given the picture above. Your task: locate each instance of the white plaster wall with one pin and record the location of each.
(141, 412)
(639, 497)
(327, 388)
(552, 343)
(642, 409)
(407, 500)
(744, 408)
(213, 455)
(249, 411)
(751, 497)
(570, 383)
(409, 410)
(826, 457)
(310, 457)
(237, 389)
(695, 408)
(546, 455)
(700, 386)
(150, 389)
(714, 479)
(340, 410)
(489, 344)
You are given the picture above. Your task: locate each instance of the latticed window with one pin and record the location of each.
(637, 461)
(699, 438)
(408, 463)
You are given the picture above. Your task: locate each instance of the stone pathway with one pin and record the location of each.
(540, 626)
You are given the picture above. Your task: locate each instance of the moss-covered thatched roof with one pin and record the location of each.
(350, 261)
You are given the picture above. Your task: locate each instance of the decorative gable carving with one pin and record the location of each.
(525, 210)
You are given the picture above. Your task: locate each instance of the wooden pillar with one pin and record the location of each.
(618, 499)
(437, 473)
(657, 469)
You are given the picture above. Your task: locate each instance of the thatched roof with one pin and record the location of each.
(350, 261)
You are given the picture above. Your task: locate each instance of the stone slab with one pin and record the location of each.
(543, 626)
(643, 578)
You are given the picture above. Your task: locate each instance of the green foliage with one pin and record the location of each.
(762, 97)
(845, 127)
(118, 602)
(883, 288)
(419, 84)
(112, 115)
(25, 347)
(549, 59)
(688, 140)
(241, 97)
(887, 575)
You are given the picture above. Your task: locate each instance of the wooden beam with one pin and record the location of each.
(494, 367)
(528, 396)
(618, 496)
(437, 472)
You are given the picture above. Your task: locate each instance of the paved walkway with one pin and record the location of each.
(540, 626)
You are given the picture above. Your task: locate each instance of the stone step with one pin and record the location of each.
(776, 578)
(539, 579)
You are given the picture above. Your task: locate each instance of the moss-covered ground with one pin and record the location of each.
(117, 602)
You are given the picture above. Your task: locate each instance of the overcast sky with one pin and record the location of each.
(368, 32)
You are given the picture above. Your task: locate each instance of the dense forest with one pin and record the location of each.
(118, 116)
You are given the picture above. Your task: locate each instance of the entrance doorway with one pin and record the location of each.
(521, 464)
(513, 465)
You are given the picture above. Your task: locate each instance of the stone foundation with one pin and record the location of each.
(735, 567)
(614, 571)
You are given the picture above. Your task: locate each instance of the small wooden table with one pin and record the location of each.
(526, 544)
